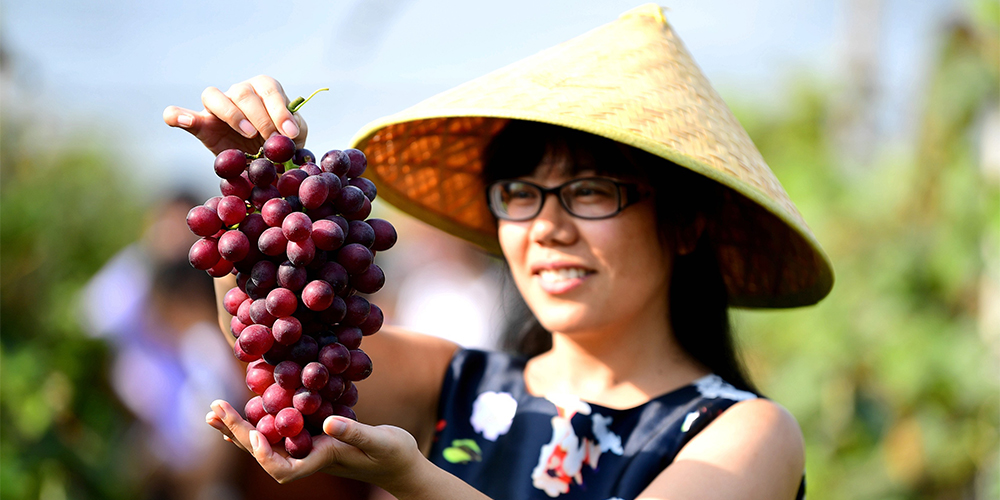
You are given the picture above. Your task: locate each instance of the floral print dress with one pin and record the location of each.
(512, 445)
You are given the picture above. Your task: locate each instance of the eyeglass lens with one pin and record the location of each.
(586, 198)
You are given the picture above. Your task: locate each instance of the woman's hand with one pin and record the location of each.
(241, 117)
(386, 456)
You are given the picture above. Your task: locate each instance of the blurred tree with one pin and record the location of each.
(65, 211)
(890, 377)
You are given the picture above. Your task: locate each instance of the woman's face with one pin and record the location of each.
(579, 275)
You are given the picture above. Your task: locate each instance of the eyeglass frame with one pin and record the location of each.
(631, 191)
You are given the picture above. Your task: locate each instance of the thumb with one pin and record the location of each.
(347, 430)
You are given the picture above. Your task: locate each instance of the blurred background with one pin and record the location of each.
(880, 117)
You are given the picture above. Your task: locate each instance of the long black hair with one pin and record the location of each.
(699, 302)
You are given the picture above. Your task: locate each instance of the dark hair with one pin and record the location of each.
(699, 302)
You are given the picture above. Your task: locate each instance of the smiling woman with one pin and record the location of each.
(662, 214)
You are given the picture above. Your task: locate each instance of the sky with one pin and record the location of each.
(112, 66)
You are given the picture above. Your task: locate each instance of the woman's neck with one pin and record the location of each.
(617, 369)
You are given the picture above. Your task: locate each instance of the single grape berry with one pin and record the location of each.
(203, 221)
(301, 253)
(358, 162)
(277, 398)
(289, 182)
(304, 350)
(351, 199)
(220, 269)
(303, 156)
(358, 309)
(232, 210)
(256, 340)
(262, 172)
(293, 277)
(317, 295)
(355, 258)
(349, 336)
(385, 234)
(334, 389)
(313, 192)
(275, 210)
(374, 322)
(306, 401)
(265, 426)
(315, 376)
(230, 163)
(287, 330)
(238, 186)
(370, 281)
(260, 195)
(260, 376)
(366, 186)
(336, 162)
(281, 302)
(288, 374)
(327, 235)
(272, 242)
(279, 148)
(335, 357)
(234, 245)
(296, 226)
(204, 254)
(361, 213)
(299, 445)
(254, 410)
(264, 274)
(359, 231)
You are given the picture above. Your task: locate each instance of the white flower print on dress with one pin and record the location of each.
(561, 461)
(492, 414)
(712, 386)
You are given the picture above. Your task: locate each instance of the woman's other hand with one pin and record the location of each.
(241, 117)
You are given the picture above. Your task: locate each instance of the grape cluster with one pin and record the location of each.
(296, 235)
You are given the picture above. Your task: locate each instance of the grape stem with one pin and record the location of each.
(296, 104)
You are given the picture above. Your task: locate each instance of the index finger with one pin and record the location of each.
(276, 103)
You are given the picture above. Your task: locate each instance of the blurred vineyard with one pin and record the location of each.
(895, 378)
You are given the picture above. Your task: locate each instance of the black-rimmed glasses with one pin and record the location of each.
(587, 198)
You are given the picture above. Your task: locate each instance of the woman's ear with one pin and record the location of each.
(689, 234)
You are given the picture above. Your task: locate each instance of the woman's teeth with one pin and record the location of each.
(553, 275)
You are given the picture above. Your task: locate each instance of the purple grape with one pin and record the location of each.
(306, 401)
(256, 340)
(351, 199)
(349, 336)
(366, 186)
(203, 221)
(385, 234)
(243, 311)
(281, 302)
(370, 281)
(355, 258)
(236, 327)
(335, 313)
(360, 232)
(327, 235)
(265, 426)
(303, 156)
(289, 182)
(287, 330)
(317, 295)
(232, 210)
(233, 245)
(325, 410)
(220, 269)
(259, 314)
(292, 277)
(242, 355)
(358, 162)
(304, 351)
(277, 398)
(296, 226)
(311, 169)
(336, 162)
(301, 253)
(264, 274)
(253, 226)
(204, 254)
(374, 321)
(272, 242)
(362, 213)
(260, 195)
(334, 388)
(350, 396)
(277, 353)
(332, 182)
(360, 367)
(358, 309)
(342, 222)
(262, 173)
(299, 445)
(279, 148)
(344, 411)
(288, 374)
(318, 261)
(230, 163)
(254, 256)
(313, 192)
(254, 410)
(238, 186)
(335, 357)
(315, 376)
(275, 210)
(325, 210)
(334, 274)
(260, 376)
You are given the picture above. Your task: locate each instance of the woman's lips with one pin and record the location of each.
(561, 280)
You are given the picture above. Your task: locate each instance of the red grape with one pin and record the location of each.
(313, 192)
(275, 210)
(204, 254)
(281, 302)
(265, 426)
(358, 162)
(262, 172)
(279, 148)
(317, 295)
(255, 340)
(254, 410)
(234, 245)
(252, 226)
(301, 253)
(350, 396)
(315, 376)
(361, 213)
(260, 376)
(303, 156)
(287, 330)
(232, 300)
(366, 186)
(232, 210)
(335, 275)
(236, 326)
(336, 162)
(360, 367)
(260, 315)
(358, 309)
(288, 374)
(260, 195)
(276, 397)
(335, 388)
(230, 163)
(220, 269)
(299, 445)
(335, 357)
(374, 321)
(355, 258)
(311, 169)
(350, 336)
(293, 277)
(288, 183)
(335, 313)
(358, 231)
(203, 221)
(272, 242)
(306, 401)
(385, 234)
(241, 354)
(304, 350)
(296, 226)
(369, 281)
(351, 199)
(288, 422)
(238, 186)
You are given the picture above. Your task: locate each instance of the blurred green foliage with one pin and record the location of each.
(894, 376)
(66, 210)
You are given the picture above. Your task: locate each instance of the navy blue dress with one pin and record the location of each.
(509, 444)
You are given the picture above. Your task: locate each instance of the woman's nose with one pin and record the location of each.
(553, 225)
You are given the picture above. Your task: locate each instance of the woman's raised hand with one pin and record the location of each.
(241, 117)
(383, 455)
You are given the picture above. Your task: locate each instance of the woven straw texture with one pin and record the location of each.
(632, 81)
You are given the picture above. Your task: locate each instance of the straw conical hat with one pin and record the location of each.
(632, 81)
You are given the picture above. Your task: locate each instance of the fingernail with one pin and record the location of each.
(254, 439)
(185, 120)
(337, 426)
(290, 128)
(247, 128)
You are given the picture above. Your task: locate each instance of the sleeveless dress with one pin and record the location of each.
(511, 445)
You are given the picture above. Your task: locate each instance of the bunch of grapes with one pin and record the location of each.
(297, 236)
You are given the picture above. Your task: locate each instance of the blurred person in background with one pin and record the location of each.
(168, 360)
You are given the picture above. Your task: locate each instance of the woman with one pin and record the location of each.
(662, 215)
